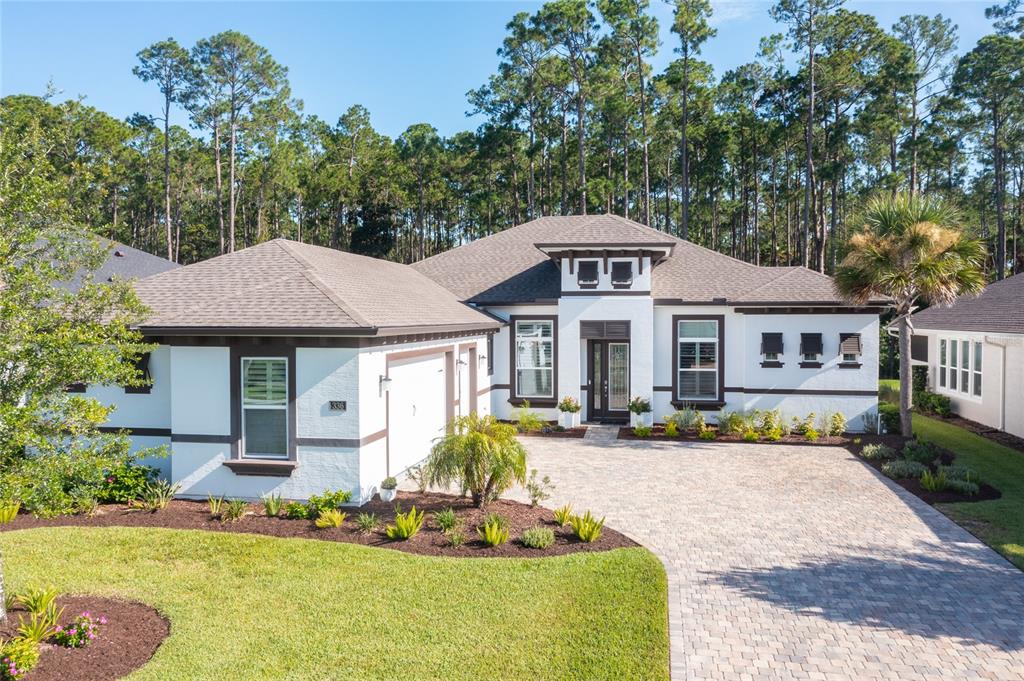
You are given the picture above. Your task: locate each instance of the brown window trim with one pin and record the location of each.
(238, 351)
(704, 404)
(810, 365)
(772, 364)
(850, 365)
(699, 405)
(513, 388)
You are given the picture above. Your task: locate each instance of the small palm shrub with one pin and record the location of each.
(445, 519)
(539, 490)
(9, 511)
(367, 522)
(157, 495)
(707, 434)
(671, 429)
(586, 527)
(538, 537)
(332, 517)
(528, 421)
(875, 452)
(563, 514)
(496, 519)
(40, 625)
(837, 424)
(922, 452)
(962, 486)
(272, 504)
(493, 532)
(934, 482)
(234, 510)
(642, 431)
(902, 468)
(215, 504)
(38, 600)
(406, 525)
(481, 454)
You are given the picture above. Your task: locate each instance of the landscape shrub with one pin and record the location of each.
(870, 421)
(17, 658)
(707, 434)
(367, 522)
(38, 600)
(295, 510)
(40, 626)
(157, 495)
(639, 405)
(538, 537)
(445, 519)
(456, 537)
(332, 517)
(406, 525)
(800, 426)
(751, 435)
(481, 454)
(934, 482)
(956, 472)
(418, 475)
(919, 379)
(671, 429)
(769, 421)
(563, 514)
(889, 415)
(272, 504)
(811, 435)
(234, 510)
(82, 631)
(642, 431)
(736, 422)
(215, 504)
(962, 486)
(921, 452)
(902, 468)
(9, 511)
(932, 403)
(528, 421)
(878, 452)
(539, 490)
(390, 482)
(685, 420)
(569, 405)
(125, 482)
(318, 503)
(836, 423)
(493, 532)
(699, 424)
(586, 527)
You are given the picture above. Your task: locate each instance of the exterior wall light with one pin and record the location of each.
(385, 383)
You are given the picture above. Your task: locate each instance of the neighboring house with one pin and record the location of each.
(291, 369)
(974, 351)
(125, 262)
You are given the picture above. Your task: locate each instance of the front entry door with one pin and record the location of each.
(608, 387)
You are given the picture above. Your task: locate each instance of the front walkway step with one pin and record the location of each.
(601, 433)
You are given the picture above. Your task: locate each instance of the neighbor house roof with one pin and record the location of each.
(999, 309)
(125, 262)
(284, 286)
(508, 267)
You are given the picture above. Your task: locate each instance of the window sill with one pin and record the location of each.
(772, 365)
(850, 365)
(810, 365)
(587, 287)
(628, 284)
(269, 467)
(705, 405)
(138, 390)
(534, 402)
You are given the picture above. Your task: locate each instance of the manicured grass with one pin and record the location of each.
(244, 606)
(889, 390)
(999, 523)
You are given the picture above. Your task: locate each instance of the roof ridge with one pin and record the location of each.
(309, 271)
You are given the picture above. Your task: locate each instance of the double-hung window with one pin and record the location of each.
(960, 366)
(943, 364)
(535, 358)
(697, 360)
(976, 386)
(265, 407)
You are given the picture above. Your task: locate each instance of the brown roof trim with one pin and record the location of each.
(590, 245)
(768, 304)
(592, 293)
(312, 330)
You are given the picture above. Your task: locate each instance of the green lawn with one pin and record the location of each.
(999, 523)
(244, 606)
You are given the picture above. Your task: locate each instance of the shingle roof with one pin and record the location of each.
(507, 267)
(999, 309)
(284, 285)
(125, 262)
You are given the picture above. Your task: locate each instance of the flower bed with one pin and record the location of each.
(430, 540)
(128, 639)
(658, 433)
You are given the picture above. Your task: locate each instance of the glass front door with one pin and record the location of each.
(608, 387)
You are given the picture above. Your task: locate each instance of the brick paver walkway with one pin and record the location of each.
(789, 562)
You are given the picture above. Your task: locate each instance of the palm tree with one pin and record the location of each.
(481, 454)
(909, 248)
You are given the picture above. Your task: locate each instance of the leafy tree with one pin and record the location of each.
(479, 453)
(909, 248)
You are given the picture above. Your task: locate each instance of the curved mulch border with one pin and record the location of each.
(127, 641)
(430, 541)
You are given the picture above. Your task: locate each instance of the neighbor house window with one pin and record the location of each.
(535, 358)
(622, 273)
(953, 345)
(142, 366)
(965, 365)
(976, 388)
(960, 365)
(810, 347)
(697, 355)
(265, 407)
(943, 366)
(771, 346)
(587, 274)
(849, 347)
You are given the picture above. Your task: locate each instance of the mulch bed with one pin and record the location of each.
(658, 433)
(430, 541)
(986, 492)
(127, 641)
(577, 432)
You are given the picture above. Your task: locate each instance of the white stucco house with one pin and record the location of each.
(974, 351)
(289, 368)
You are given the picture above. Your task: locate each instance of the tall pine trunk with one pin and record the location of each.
(167, 177)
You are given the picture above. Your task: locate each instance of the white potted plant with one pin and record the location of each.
(570, 412)
(640, 412)
(388, 488)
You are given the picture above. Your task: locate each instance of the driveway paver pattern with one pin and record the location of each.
(798, 562)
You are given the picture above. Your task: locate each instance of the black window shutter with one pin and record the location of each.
(142, 364)
(810, 344)
(849, 343)
(622, 272)
(771, 342)
(587, 273)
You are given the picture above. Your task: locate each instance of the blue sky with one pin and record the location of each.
(407, 62)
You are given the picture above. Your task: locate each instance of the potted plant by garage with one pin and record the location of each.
(388, 488)
(640, 412)
(570, 412)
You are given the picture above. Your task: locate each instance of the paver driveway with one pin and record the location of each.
(799, 562)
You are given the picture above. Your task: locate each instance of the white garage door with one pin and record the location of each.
(416, 411)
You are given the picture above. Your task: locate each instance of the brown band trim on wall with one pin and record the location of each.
(662, 388)
(202, 439)
(421, 352)
(483, 391)
(676, 318)
(801, 391)
(500, 386)
(349, 443)
(593, 294)
(140, 432)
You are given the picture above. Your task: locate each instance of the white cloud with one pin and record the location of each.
(725, 11)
